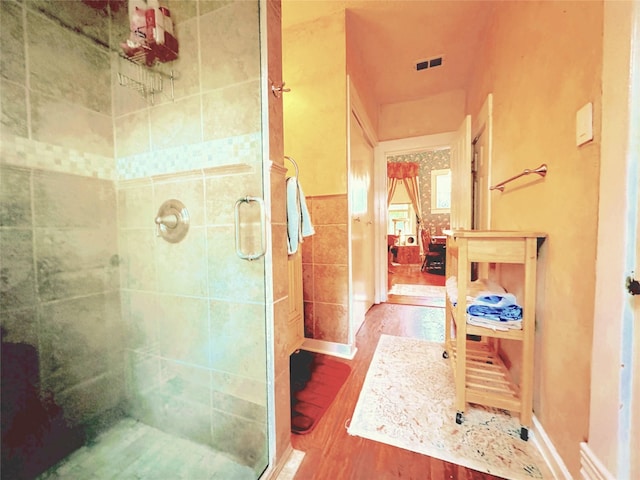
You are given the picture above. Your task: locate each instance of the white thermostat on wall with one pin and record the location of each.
(584, 124)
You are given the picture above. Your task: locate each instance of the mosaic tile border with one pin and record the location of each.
(23, 152)
(20, 151)
(234, 150)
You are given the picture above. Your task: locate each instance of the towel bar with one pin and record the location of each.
(295, 165)
(541, 170)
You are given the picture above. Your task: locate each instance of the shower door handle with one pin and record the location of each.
(263, 232)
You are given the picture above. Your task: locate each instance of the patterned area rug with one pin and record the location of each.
(432, 295)
(407, 401)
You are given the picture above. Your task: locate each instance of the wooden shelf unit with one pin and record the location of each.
(480, 374)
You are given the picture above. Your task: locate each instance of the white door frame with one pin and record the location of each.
(382, 150)
(356, 107)
(483, 125)
(610, 451)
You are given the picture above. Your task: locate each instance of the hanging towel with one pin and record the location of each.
(298, 220)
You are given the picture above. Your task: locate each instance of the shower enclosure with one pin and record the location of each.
(125, 355)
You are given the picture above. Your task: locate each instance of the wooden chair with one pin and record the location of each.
(392, 250)
(434, 255)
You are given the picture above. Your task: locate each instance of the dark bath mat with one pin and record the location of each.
(315, 382)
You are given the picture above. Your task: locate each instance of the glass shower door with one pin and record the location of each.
(147, 358)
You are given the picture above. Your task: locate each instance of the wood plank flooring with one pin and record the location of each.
(332, 454)
(411, 274)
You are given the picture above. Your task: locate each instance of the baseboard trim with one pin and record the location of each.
(329, 348)
(548, 451)
(291, 466)
(591, 466)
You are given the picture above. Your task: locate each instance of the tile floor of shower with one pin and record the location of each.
(132, 450)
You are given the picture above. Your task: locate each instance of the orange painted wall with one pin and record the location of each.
(361, 80)
(542, 61)
(426, 116)
(315, 122)
(315, 134)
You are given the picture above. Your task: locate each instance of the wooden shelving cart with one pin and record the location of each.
(480, 375)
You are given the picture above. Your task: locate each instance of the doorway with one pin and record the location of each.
(433, 151)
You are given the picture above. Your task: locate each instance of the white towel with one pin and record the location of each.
(474, 289)
(298, 220)
(494, 325)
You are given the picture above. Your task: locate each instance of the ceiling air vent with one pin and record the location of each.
(429, 63)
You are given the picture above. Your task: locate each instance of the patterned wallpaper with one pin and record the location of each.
(428, 160)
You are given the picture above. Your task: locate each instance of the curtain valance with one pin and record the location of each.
(401, 170)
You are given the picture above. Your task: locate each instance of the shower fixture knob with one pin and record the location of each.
(169, 221)
(172, 221)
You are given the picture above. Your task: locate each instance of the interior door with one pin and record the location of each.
(362, 236)
(634, 428)
(461, 180)
(480, 175)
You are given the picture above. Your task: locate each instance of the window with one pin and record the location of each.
(441, 191)
(402, 220)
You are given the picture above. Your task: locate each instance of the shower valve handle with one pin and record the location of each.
(169, 221)
(172, 221)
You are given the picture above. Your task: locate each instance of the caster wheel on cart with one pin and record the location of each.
(524, 433)
(445, 355)
(459, 418)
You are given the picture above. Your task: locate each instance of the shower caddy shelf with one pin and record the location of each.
(481, 376)
(144, 79)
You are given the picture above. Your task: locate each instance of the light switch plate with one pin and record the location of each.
(584, 124)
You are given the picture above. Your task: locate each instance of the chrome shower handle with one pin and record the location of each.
(263, 232)
(172, 221)
(169, 221)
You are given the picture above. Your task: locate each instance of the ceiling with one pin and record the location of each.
(393, 35)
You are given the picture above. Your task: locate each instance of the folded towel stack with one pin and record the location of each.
(491, 307)
(474, 289)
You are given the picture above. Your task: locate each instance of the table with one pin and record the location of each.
(408, 254)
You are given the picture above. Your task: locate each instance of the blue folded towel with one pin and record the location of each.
(502, 314)
(493, 306)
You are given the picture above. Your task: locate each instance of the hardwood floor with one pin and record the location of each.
(411, 274)
(332, 454)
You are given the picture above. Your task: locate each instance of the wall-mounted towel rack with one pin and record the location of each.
(541, 170)
(295, 165)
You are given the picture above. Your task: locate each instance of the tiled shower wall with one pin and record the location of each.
(60, 286)
(325, 270)
(192, 314)
(59, 296)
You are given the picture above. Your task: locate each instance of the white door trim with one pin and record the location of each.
(356, 108)
(382, 150)
(613, 372)
(483, 124)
